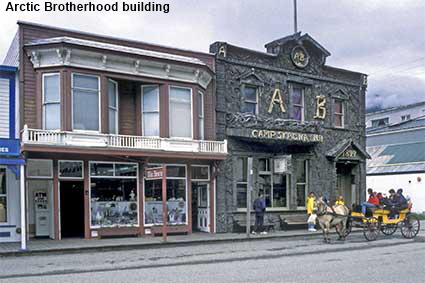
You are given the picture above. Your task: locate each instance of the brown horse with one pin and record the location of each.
(329, 217)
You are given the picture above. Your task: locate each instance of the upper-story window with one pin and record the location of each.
(180, 112)
(405, 117)
(380, 122)
(297, 96)
(113, 106)
(201, 115)
(249, 102)
(338, 113)
(51, 101)
(85, 102)
(150, 110)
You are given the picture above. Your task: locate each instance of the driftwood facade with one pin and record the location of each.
(301, 120)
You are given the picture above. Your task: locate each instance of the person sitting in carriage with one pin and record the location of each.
(395, 202)
(372, 201)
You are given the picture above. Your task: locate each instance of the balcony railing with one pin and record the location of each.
(83, 139)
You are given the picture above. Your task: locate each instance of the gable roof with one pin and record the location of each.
(339, 148)
(298, 37)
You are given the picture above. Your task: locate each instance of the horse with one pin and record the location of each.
(329, 217)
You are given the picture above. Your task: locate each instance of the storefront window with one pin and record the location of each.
(113, 194)
(274, 186)
(176, 197)
(3, 196)
(242, 181)
(71, 169)
(302, 169)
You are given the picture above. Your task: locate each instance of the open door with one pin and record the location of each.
(201, 207)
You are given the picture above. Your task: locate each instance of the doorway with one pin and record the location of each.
(200, 207)
(345, 183)
(72, 209)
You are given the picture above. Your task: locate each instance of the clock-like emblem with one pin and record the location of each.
(300, 57)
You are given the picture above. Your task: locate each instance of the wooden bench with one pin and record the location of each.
(239, 225)
(293, 220)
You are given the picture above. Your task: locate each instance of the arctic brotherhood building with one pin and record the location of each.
(98, 114)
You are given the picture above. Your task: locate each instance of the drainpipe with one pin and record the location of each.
(23, 210)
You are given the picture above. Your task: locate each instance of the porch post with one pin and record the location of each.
(56, 199)
(23, 209)
(87, 234)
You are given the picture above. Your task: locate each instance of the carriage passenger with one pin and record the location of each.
(372, 201)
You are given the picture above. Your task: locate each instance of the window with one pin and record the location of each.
(201, 115)
(51, 102)
(249, 102)
(150, 110)
(3, 196)
(200, 172)
(40, 168)
(302, 181)
(176, 197)
(271, 184)
(85, 102)
(241, 181)
(71, 169)
(338, 113)
(180, 112)
(297, 96)
(380, 122)
(405, 117)
(113, 194)
(113, 106)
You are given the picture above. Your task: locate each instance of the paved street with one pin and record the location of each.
(391, 259)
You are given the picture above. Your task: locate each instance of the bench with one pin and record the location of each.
(293, 220)
(239, 225)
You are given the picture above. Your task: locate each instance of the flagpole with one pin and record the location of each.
(295, 17)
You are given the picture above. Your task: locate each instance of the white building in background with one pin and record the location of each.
(396, 142)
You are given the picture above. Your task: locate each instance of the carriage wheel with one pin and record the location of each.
(410, 227)
(388, 229)
(371, 228)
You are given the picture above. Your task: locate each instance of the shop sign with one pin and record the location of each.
(154, 173)
(287, 136)
(281, 164)
(9, 147)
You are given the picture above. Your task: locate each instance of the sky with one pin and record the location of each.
(382, 38)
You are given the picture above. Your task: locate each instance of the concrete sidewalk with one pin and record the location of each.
(43, 246)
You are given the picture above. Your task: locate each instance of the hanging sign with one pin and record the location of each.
(154, 173)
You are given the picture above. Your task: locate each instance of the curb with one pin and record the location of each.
(141, 246)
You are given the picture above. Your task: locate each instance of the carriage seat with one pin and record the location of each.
(387, 212)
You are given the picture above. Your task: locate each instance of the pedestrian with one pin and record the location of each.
(311, 221)
(260, 209)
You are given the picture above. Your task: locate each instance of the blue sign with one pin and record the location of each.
(9, 147)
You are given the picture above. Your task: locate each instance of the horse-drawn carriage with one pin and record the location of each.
(378, 221)
(374, 222)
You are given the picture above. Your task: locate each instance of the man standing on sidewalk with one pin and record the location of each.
(259, 208)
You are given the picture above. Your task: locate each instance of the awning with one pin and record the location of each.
(12, 161)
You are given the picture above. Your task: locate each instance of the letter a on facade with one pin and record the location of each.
(277, 98)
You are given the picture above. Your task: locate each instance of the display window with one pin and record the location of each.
(273, 185)
(302, 182)
(113, 194)
(3, 196)
(176, 197)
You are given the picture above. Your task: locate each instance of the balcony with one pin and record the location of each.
(125, 142)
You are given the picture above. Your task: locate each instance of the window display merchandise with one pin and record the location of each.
(113, 194)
